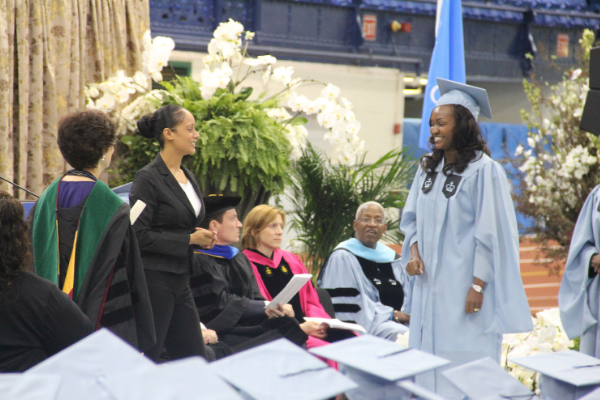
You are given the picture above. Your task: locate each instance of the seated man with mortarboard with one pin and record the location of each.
(225, 291)
(365, 280)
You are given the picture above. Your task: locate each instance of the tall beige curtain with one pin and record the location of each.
(49, 50)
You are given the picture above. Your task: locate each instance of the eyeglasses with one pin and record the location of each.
(367, 220)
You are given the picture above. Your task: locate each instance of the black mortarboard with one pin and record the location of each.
(217, 204)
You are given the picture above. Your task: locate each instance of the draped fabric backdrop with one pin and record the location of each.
(49, 50)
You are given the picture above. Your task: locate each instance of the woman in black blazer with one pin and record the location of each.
(167, 229)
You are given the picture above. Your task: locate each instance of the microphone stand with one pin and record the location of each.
(22, 188)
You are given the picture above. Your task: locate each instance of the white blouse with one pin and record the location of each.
(192, 196)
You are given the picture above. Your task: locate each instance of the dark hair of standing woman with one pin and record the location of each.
(467, 140)
(14, 243)
(151, 126)
(84, 137)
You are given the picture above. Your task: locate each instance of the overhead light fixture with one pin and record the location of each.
(412, 92)
(423, 82)
(409, 79)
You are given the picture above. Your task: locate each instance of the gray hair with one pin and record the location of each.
(363, 206)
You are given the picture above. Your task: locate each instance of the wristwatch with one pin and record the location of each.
(477, 288)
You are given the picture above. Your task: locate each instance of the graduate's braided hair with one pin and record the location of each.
(467, 140)
(14, 242)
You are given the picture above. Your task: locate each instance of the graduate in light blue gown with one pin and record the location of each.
(366, 280)
(579, 295)
(461, 242)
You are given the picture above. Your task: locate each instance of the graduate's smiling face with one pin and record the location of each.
(370, 225)
(183, 136)
(228, 231)
(271, 236)
(441, 127)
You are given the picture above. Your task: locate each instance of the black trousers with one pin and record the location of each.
(175, 316)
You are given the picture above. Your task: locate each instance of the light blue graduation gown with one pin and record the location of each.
(471, 233)
(344, 271)
(579, 296)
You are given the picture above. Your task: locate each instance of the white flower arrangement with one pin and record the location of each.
(225, 54)
(109, 96)
(558, 163)
(548, 335)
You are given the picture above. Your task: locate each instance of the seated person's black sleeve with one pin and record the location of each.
(64, 323)
(254, 312)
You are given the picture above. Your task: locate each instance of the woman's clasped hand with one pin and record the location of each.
(203, 238)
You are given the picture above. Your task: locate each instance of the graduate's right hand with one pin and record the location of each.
(414, 267)
(203, 238)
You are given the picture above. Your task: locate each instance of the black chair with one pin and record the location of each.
(325, 300)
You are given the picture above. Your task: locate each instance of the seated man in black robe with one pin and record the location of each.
(225, 291)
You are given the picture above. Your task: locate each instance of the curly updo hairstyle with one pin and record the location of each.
(151, 126)
(14, 242)
(467, 140)
(84, 137)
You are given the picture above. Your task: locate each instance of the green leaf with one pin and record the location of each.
(299, 121)
(244, 93)
(128, 139)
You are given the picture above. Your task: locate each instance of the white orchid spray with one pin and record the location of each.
(227, 65)
(111, 95)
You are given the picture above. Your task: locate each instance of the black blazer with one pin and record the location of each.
(163, 229)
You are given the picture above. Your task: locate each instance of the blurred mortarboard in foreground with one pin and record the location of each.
(565, 375)
(419, 391)
(182, 380)
(377, 364)
(595, 395)
(26, 387)
(473, 98)
(101, 354)
(280, 370)
(590, 119)
(486, 380)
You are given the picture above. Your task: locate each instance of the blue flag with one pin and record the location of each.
(447, 60)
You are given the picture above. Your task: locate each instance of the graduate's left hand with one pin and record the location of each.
(474, 301)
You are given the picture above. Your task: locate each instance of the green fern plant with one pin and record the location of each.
(325, 197)
(240, 145)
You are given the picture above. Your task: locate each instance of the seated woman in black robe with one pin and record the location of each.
(82, 239)
(225, 291)
(37, 320)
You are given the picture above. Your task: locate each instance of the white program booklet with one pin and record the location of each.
(337, 324)
(136, 210)
(290, 290)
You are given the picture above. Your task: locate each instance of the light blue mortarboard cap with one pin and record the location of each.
(26, 387)
(565, 375)
(377, 365)
(184, 379)
(595, 395)
(99, 355)
(486, 380)
(473, 98)
(280, 370)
